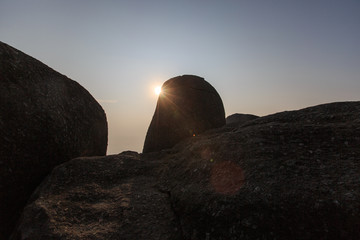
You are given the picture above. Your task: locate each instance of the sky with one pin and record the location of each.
(262, 56)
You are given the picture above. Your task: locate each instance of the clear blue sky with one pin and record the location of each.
(263, 56)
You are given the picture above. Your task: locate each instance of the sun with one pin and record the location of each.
(157, 90)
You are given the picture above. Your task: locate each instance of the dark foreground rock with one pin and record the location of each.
(111, 197)
(45, 119)
(291, 175)
(187, 106)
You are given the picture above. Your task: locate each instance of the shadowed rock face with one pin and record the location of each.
(291, 175)
(112, 197)
(187, 106)
(45, 119)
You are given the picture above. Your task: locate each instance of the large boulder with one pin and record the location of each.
(112, 197)
(45, 119)
(187, 106)
(291, 175)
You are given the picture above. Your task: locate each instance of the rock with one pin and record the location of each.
(187, 106)
(290, 175)
(111, 197)
(45, 119)
(238, 119)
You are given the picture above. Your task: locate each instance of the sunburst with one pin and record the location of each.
(157, 90)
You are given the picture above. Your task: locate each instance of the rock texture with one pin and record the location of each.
(187, 106)
(291, 175)
(45, 119)
(111, 197)
(238, 119)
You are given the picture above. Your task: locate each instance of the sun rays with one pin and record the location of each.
(157, 90)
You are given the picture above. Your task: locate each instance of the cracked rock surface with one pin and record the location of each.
(290, 175)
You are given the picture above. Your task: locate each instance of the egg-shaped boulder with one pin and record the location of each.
(187, 105)
(45, 119)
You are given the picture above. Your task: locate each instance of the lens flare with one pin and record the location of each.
(227, 177)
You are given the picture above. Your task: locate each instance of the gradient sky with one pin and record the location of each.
(262, 56)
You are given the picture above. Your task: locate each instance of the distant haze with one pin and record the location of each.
(262, 56)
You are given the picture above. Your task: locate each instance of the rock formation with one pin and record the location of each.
(291, 175)
(237, 118)
(111, 197)
(45, 119)
(187, 106)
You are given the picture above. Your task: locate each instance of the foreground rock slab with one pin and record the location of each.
(113, 197)
(45, 119)
(291, 175)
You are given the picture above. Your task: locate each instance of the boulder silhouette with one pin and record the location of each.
(45, 119)
(239, 118)
(187, 106)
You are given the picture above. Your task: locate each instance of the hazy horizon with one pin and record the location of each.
(261, 56)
